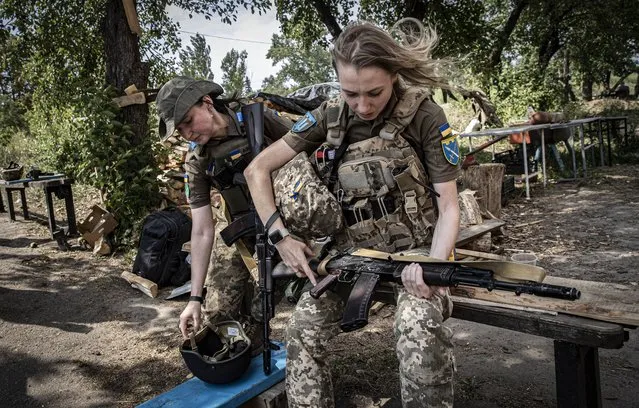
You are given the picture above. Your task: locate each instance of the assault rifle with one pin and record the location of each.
(363, 274)
(253, 117)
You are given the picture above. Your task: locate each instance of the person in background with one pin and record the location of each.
(384, 109)
(219, 150)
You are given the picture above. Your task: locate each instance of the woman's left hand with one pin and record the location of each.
(413, 281)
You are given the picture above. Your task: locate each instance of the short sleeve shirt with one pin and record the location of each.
(422, 133)
(198, 183)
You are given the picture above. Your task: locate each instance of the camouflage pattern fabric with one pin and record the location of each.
(228, 281)
(424, 350)
(308, 209)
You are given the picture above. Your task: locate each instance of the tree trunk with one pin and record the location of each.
(486, 180)
(586, 86)
(124, 66)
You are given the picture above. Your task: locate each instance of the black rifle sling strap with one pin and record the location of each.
(359, 301)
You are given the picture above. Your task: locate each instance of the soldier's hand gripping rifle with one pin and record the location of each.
(364, 274)
(253, 117)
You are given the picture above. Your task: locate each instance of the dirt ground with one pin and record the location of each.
(74, 334)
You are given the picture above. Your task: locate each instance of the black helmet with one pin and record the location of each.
(219, 353)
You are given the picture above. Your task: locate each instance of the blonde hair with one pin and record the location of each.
(409, 54)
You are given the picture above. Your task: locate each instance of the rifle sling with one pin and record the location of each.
(359, 301)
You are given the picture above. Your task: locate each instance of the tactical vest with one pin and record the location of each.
(227, 162)
(381, 183)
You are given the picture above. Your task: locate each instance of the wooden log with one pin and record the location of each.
(147, 287)
(469, 211)
(487, 180)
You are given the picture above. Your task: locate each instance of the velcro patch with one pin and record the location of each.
(305, 123)
(445, 130)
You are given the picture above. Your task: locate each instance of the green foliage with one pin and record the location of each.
(300, 66)
(234, 78)
(196, 61)
(89, 142)
(11, 118)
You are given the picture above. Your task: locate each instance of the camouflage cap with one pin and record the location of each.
(176, 97)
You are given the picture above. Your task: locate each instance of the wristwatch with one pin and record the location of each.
(277, 235)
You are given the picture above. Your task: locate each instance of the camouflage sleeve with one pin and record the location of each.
(275, 125)
(309, 132)
(439, 168)
(197, 186)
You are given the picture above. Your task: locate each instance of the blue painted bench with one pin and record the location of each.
(195, 393)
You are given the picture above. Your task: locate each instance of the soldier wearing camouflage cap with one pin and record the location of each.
(219, 149)
(379, 147)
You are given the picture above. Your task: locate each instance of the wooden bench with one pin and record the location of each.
(57, 185)
(576, 342)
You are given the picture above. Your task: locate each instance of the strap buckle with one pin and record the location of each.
(410, 202)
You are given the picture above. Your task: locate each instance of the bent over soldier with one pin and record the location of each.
(219, 150)
(392, 151)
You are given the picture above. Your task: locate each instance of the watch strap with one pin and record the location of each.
(194, 298)
(271, 220)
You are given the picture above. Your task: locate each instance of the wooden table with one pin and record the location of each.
(59, 185)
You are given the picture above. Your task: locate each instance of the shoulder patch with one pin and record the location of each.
(305, 123)
(450, 147)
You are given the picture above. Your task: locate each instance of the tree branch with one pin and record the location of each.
(327, 18)
(504, 35)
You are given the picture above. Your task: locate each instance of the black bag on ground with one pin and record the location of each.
(163, 234)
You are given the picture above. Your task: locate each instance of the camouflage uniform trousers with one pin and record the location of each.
(424, 350)
(231, 290)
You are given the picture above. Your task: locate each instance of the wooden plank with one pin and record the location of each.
(601, 301)
(471, 233)
(573, 329)
(480, 255)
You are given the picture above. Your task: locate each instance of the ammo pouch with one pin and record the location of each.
(308, 209)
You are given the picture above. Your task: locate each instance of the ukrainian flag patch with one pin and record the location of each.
(450, 146)
(187, 190)
(305, 123)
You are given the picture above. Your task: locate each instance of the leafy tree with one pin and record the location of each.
(62, 55)
(196, 61)
(234, 78)
(300, 66)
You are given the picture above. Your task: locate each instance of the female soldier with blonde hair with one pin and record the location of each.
(394, 132)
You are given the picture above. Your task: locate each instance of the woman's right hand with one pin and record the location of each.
(191, 318)
(295, 255)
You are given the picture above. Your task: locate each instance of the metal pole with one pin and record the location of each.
(583, 151)
(543, 156)
(523, 143)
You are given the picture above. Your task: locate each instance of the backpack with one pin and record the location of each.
(163, 233)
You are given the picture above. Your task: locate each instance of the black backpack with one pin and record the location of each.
(159, 254)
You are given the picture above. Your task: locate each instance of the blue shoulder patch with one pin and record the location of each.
(450, 146)
(305, 123)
